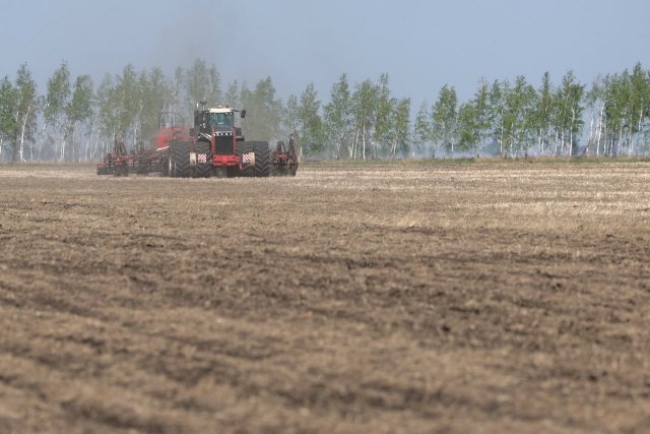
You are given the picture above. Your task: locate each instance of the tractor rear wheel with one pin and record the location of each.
(262, 159)
(203, 159)
(179, 159)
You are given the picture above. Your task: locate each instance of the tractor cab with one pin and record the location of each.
(222, 120)
(219, 119)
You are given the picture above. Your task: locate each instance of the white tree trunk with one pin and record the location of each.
(599, 131)
(40, 140)
(353, 150)
(91, 146)
(23, 128)
(573, 119)
(63, 144)
(363, 141)
(592, 121)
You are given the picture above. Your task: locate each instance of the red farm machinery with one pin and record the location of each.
(284, 161)
(215, 146)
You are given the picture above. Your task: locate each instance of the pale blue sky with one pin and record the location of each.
(421, 44)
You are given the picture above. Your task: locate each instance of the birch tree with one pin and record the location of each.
(156, 99)
(444, 119)
(422, 128)
(481, 105)
(400, 127)
(26, 109)
(517, 122)
(310, 124)
(496, 113)
(265, 111)
(469, 133)
(8, 125)
(78, 112)
(639, 107)
(364, 102)
(202, 83)
(569, 112)
(338, 119)
(595, 103)
(56, 103)
(290, 117)
(383, 118)
(108, 111)
(232, 95)
(542, 116)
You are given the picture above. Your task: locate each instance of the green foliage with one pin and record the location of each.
(383, 117)
(78, 111)
(358, 121)
(422, 128)
(156, 99)
(81, 105)
(469, 134)
(202, 83)
(129, 102)
(231, 97)
(8, 123)
(481, 106)
(518, 116)
(26, 109)
(263, 121)
(108, 105)
(364, 109)
(542, 116)
(400, 127)
(444, 117)
(310, 125)
(568, 122)
(58, 97)
(290, 117)
(338, 115)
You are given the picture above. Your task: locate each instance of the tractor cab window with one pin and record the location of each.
(222, 119)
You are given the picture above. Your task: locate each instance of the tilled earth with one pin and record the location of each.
(403, 298)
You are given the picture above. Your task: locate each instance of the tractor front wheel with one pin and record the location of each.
(179, 159)
(203, 160)
(262, 158)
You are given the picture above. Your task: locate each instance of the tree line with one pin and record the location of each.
(75, 119)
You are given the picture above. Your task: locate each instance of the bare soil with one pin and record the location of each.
(405, 298)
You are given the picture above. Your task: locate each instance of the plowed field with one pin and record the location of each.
(405, 298)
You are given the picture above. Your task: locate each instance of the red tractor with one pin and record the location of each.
(284, 161)
(215, 146)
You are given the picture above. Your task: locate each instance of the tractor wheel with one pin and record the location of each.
(203, 160)
(262, 159)
(294, 169)
(245, 148)
(179, 159)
